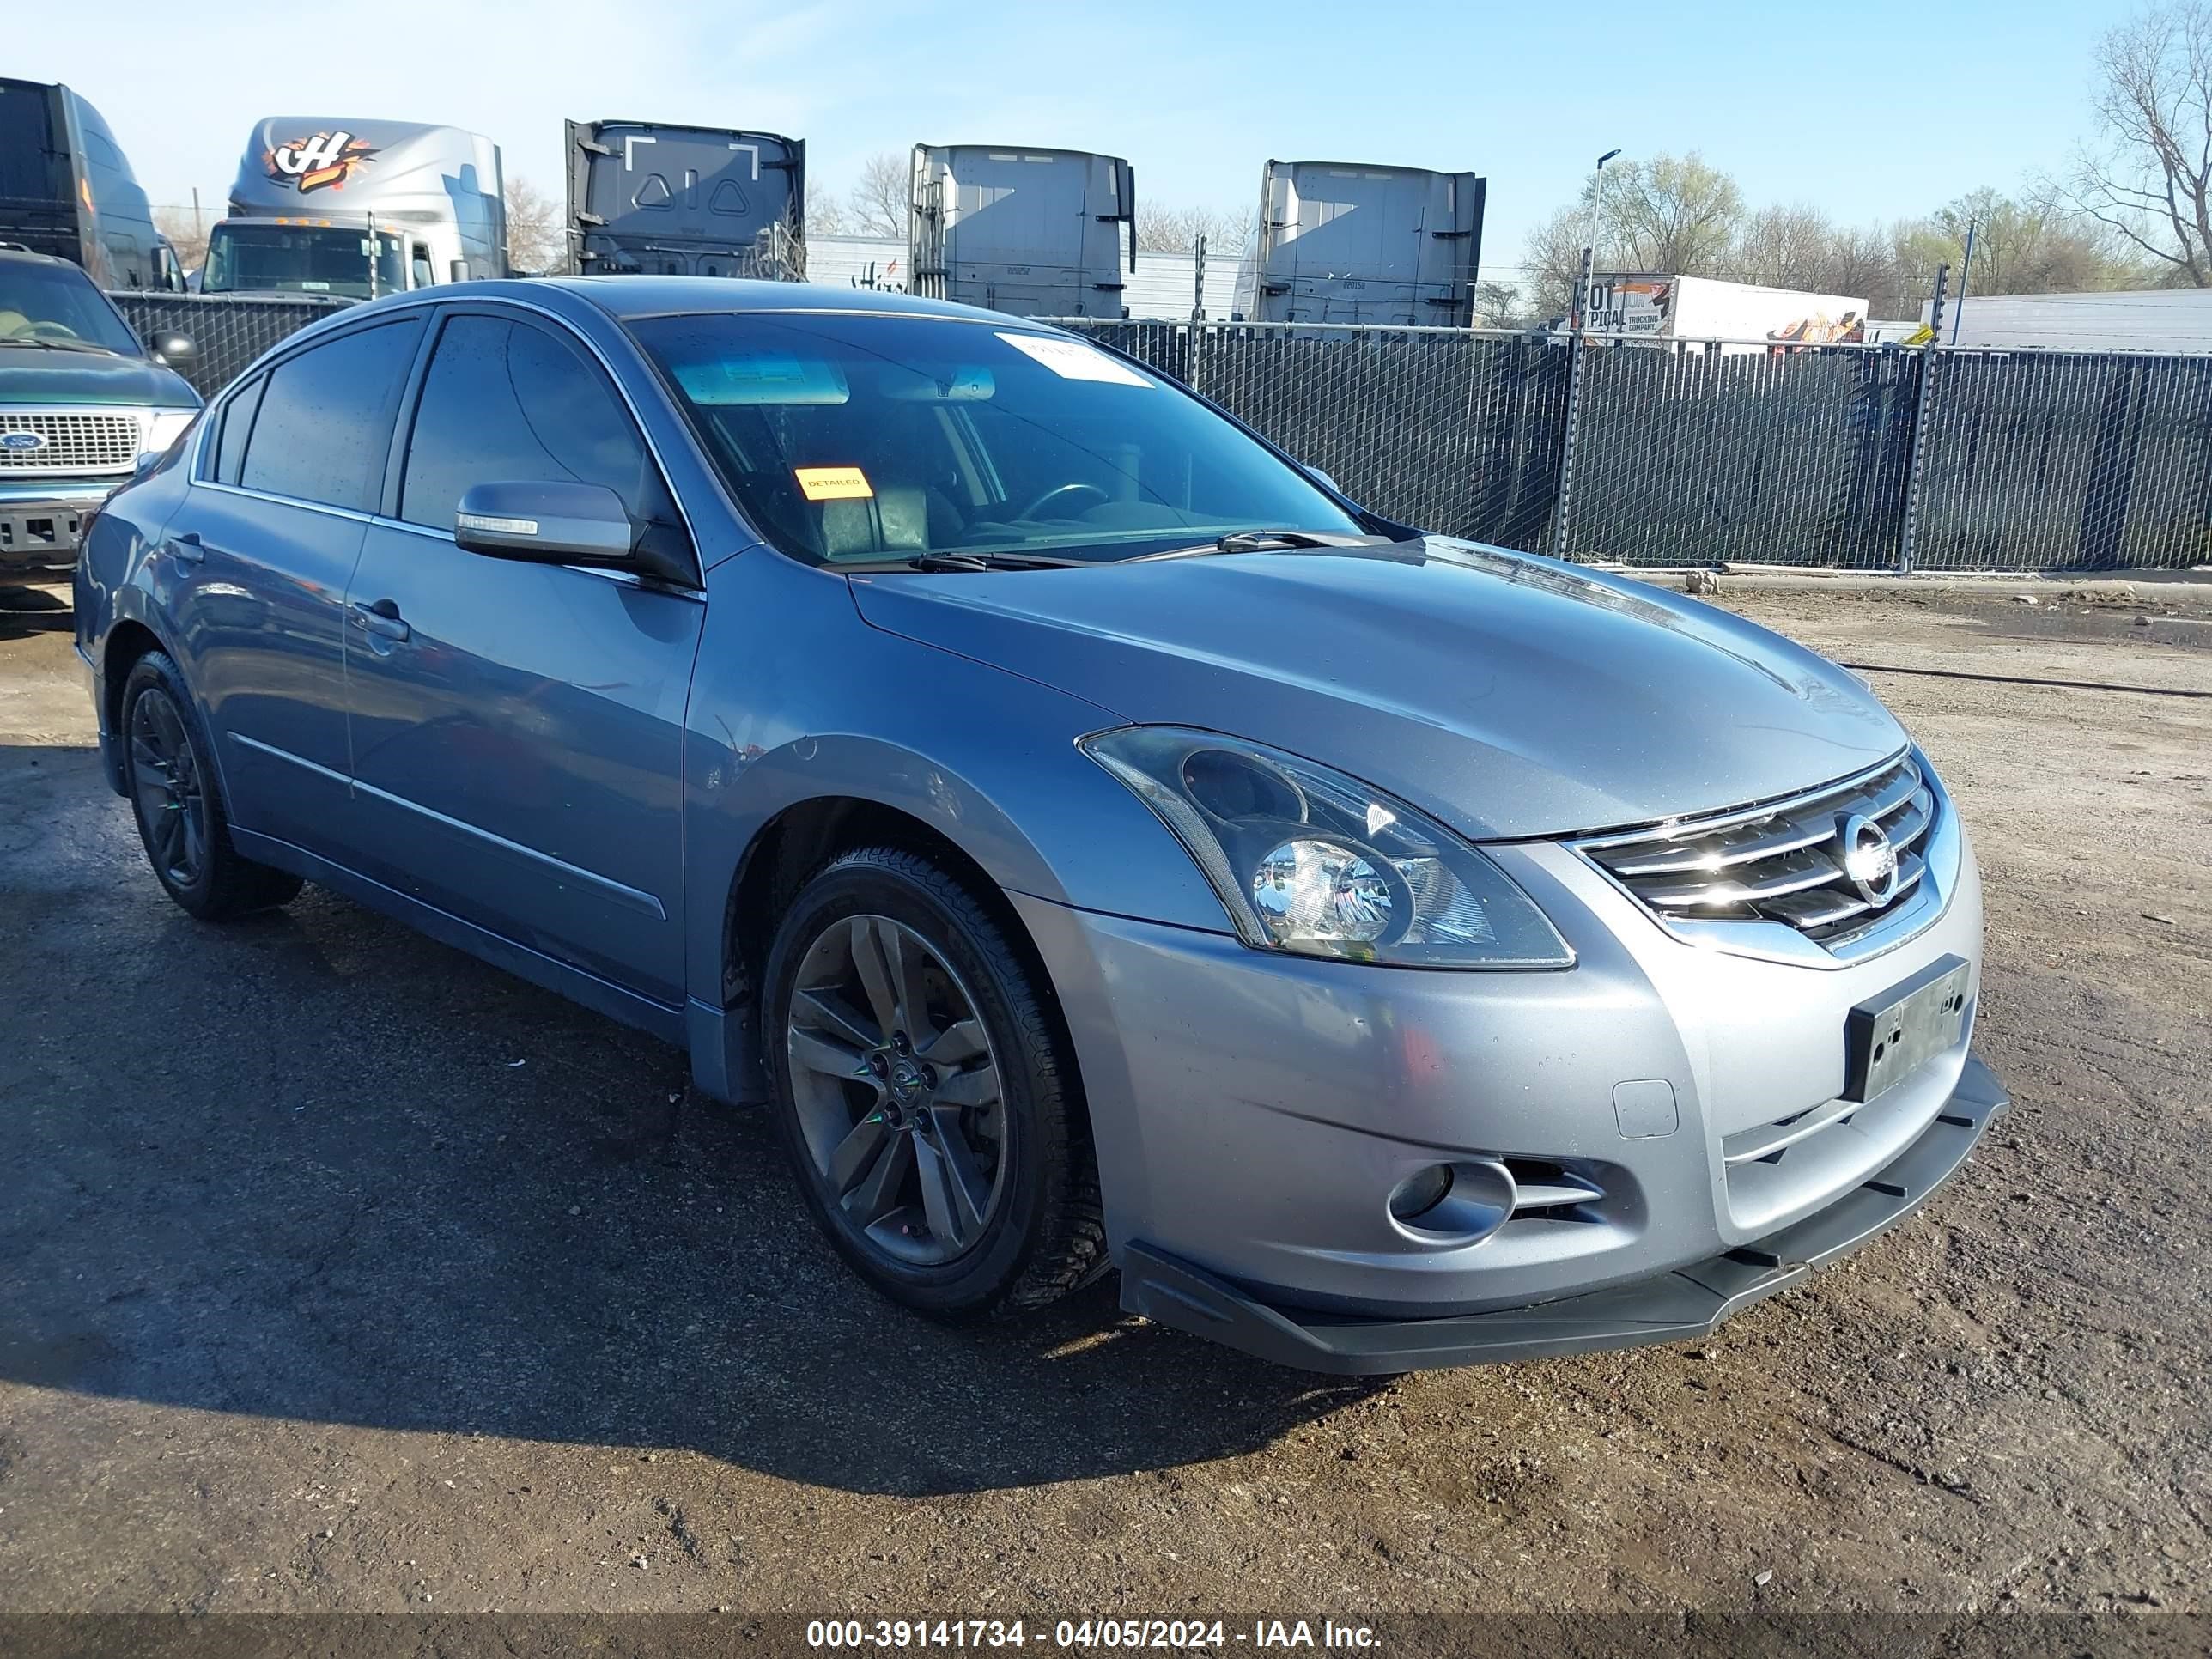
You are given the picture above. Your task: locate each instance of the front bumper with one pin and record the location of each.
(41, 520)
(1253, 1113)
(1687, 1301)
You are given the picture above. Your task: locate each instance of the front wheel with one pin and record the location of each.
(179, 807)
(929, 1111)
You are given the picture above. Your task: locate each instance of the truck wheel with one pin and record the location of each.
(932, 1116)
(176, 798)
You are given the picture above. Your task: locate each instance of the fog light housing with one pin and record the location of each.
(1420, 1192)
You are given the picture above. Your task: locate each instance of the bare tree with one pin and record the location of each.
(877, 201)
(1499, 305)
(2150, 180)
(187, 234)
(1785, 247)
(825, 214)
(537, 228)
(1176, 230)
(1673, 213)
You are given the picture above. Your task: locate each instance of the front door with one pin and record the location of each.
(517, 728)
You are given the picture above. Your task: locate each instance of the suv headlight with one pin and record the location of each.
(1306, 860)
(163, 428)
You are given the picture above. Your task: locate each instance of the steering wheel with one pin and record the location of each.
(46, 331)
(1035, 509)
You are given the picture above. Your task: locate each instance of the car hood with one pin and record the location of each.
(31, 374)
(1508, 694)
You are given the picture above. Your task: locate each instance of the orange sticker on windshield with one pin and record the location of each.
(832, 483)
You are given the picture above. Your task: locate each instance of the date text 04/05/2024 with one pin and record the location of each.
(1194, 1634)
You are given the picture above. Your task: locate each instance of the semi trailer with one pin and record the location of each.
(1344, 242)
(645, 196)
(357, 208)
(1033, 232)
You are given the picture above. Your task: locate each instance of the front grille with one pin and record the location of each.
(68, 443)
(1781, 862)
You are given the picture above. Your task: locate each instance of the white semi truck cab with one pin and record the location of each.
(358, 209)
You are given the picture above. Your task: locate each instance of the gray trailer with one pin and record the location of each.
(1036, 232)
(645, 196)
(1344, 242)
(67, 190)
(359, 209)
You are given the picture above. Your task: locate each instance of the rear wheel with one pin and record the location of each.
(929, 1113)
(179, 807)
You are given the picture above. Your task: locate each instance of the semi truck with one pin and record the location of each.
(1748, 317)
(357, 208)
(648, 196)
(1033, 232)
(1345, 242)
(67, 190)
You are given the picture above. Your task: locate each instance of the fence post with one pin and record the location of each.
(1567, 480)
(1915, 469)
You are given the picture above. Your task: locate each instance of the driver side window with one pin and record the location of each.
(507, 402)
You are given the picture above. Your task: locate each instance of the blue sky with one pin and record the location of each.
(1871, 111)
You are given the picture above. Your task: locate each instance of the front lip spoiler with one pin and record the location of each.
(1688, 1302)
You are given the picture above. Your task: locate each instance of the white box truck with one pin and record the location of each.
(1706, 308)
(359, 209)
(646, 197)
(1036, 232)
(1345, 242)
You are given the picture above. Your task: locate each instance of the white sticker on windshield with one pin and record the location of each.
(1072, 360)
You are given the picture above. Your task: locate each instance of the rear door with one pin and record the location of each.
(261, 554)
(683, 201)
(517, 728)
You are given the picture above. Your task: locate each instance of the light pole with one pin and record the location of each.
(1589, 247)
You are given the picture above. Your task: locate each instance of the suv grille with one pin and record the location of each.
(1781, 862)
(69, 443)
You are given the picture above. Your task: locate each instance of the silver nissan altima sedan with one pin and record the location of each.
(1099, 841)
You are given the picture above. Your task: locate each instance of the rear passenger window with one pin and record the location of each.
(324, 423)
(237, 422)
(507, 402)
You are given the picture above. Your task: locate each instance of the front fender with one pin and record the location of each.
(795, 698)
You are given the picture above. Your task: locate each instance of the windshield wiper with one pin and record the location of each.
(58, 345)
(1264, 541)
(991, 561)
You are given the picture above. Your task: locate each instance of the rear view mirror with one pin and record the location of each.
(171, 347)
(546, 523)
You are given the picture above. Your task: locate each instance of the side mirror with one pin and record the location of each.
(457, 270)
(546, 523)
(171, 347)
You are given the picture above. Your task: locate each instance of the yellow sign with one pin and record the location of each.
(833, 483)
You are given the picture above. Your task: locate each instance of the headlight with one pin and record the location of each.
(1305, 860)
(164, 428)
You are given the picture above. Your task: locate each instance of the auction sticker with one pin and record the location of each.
(1074, 361)
(832, 483)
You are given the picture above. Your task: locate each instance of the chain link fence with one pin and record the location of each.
(1682, 453)
(229, 330)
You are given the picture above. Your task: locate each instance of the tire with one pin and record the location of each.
(995, 1209)
(177, 799)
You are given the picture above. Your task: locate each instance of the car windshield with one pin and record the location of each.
(58, 305)
(873, 438)
(303, 259)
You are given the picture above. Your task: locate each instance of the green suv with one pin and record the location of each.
(81, 401)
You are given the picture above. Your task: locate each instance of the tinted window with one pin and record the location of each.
(237, 422)
(873, 437)
(58, 303)
(326, 419)
(509, 403)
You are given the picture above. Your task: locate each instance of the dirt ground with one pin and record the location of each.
(340, 1272)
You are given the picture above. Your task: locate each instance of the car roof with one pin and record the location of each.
(10, 253)
(626, 297)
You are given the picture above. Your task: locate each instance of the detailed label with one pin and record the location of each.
(833, 483)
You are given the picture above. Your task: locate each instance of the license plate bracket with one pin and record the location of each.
(1885, 1038)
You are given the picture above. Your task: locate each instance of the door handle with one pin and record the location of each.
(381, 619)
(187, 549)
